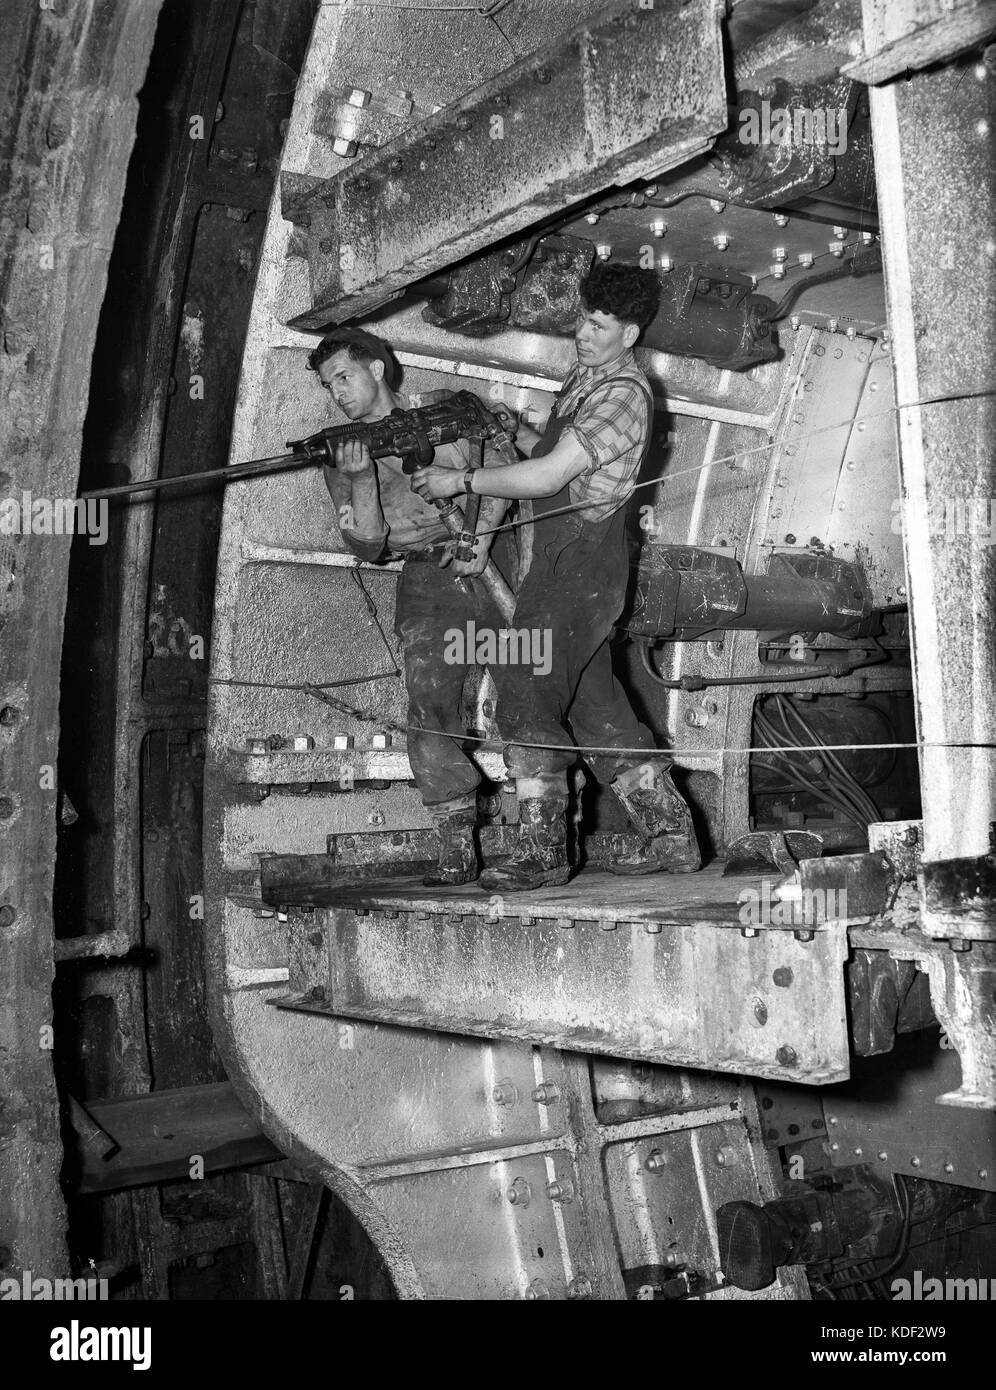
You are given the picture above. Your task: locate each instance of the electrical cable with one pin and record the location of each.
(372, 609)
(834, 762)
(485, 744)
(840, 796)
(733, 460)
(903, 1244)
(824, 792)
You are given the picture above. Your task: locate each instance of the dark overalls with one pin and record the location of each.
(575, 588)
(430, 604)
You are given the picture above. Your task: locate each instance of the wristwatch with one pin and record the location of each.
(468, 481)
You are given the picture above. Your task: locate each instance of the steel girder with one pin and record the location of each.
(632, 93)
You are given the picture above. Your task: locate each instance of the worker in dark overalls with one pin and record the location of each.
(588, 458)
(381, 519)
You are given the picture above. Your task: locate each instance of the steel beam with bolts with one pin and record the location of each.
(633, 93)
(584, 975)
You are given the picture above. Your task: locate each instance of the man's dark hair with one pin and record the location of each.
(626, 291)
(362, 347)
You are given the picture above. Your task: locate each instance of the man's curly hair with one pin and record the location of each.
(629, 293)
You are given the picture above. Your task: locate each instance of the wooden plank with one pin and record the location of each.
(159, 1134)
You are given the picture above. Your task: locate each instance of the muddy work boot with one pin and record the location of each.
(454, 822)
(659, 813)
(540, 858)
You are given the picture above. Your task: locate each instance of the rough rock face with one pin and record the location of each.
(69, 75)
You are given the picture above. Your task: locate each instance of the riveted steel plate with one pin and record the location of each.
(694, 995)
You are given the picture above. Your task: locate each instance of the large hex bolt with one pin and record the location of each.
(546, 1094)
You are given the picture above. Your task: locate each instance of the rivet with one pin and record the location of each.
(519, 1194)
(858, 1152)
(914, 1162)
(883, 1155)
(652, 928)
(834, 1148)
(983, 1172)
(591, 218)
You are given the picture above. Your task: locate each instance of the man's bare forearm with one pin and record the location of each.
(368, 517)
(492, 514)
(540, 478)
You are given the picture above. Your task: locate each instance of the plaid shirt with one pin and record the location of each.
(613, 427)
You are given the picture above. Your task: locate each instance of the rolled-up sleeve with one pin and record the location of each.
(369, 548)
(611, 423)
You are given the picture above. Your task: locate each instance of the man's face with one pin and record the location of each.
(351, 384)
(601, 337)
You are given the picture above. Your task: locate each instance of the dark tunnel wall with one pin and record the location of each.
(69, 76)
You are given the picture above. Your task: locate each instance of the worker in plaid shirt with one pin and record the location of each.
(587, 458)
